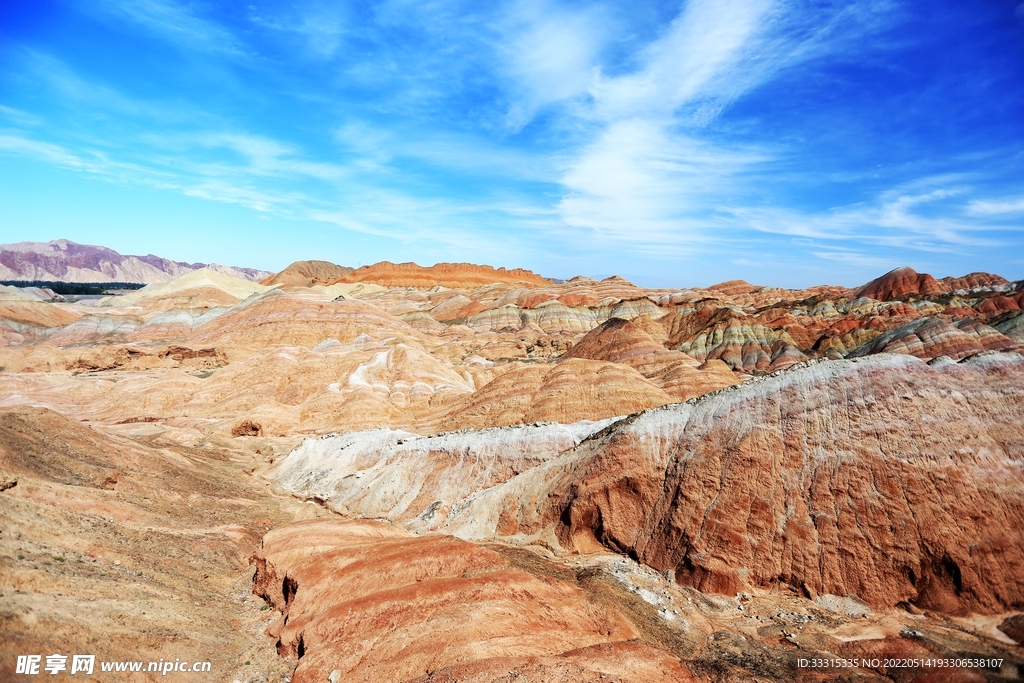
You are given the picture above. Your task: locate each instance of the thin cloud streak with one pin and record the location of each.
(173, 21)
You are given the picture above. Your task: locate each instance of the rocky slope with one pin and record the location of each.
(904, 282)
(886, 479)
(439, 605)
(580, 349)
(131, 547)
(308, 274)
(67, 261)
(452, 275)
(865, 504)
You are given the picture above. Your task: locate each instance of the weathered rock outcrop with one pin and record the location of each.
(276, 318)
(307, 274)
(400, 476)
(678, 374)
(884, 478)
(206, 287)
(620, 341)
(573, 390)
(27, 321)
(455, 275)
(364, 601)
(928, 338)
(726, 334)
(905, 281)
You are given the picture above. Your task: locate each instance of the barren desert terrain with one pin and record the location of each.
(466, 474)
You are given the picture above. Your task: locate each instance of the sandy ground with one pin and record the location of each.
(133, 544)
(133, 549)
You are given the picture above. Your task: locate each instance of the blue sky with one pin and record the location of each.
(786, 143)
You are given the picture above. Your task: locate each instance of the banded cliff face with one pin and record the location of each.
(363, 601)
(885, 478)
(905, 281)
(441, 274)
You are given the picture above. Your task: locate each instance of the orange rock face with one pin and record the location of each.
(456, 275)
(559, 514)
(281, 319)
(678, 374)
(739, 340)
(573, 390)
(929, 338)
(888, 480)
(906, 281)
(806, 479)
(308, 273)
(361, 600)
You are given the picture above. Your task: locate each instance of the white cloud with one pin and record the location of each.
(320, 26)
(548, 54)
(175, 22)
(637, 183)
(910, 216)
(649, 172)
(642, 178)
(857, 258)
(995, 207)
(44, 151)
(707, 39)
(19, 117)
(267, 157)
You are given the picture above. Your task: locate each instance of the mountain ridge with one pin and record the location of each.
(65, 261)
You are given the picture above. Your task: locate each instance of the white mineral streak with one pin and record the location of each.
(431, 482)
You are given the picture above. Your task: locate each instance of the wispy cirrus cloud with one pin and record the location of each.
(637, 183)
(928, 215)
(650, 173)
(177, 22)
(704, 42)
(993, 207)
(547, 54)
(37, 149)
(320, 27)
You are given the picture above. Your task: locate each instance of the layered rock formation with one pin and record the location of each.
(454, 275)
(277, 319)
(575, 389)
(678, 374)
(128, 550)
(400, 476)
(26, 321)
(903, 282)
(435, 604)
(590, 524)
(733, 337)
(201, 288)
(67, 261)
(883, 493)
(929, 338)
(308, 274)
(886, 479)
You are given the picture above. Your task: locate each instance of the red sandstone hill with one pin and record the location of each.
(906, 281)
(308, 273)
(734, 287)
(887, 479)
(454, 275)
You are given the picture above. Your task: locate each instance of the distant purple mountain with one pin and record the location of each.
(67, 261)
